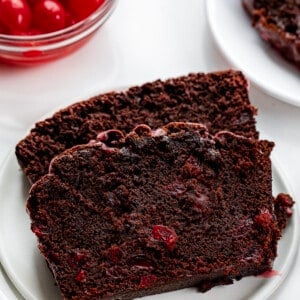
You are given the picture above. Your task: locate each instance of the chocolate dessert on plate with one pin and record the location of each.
(278, 22)
(157, 210)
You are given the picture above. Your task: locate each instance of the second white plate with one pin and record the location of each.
(245, 50)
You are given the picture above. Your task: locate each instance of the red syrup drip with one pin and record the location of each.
(269, 274)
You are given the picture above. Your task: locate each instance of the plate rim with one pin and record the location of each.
(209, 6)
(3, 261)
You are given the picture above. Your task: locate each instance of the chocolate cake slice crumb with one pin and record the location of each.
(157, 210)
(219, 100)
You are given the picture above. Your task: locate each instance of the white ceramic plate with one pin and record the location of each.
(245, 50)
(28, 271)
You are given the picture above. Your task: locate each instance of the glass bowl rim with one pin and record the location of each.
(97, 16)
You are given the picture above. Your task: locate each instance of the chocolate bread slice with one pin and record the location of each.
(219, 100)
(155, 211)
(278, 22)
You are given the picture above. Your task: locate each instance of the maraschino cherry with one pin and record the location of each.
(30, 17)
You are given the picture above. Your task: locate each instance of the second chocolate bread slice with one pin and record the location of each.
(218, 100)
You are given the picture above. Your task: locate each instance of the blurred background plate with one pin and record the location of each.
(245, 50)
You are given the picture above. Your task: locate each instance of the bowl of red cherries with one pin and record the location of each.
(35, 31)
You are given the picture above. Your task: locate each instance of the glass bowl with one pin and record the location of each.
(32, 49)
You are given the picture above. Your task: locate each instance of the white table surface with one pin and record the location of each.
(142, 41)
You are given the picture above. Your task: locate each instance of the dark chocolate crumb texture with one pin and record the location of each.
(278, 22)
(219, 100)
(125, 217)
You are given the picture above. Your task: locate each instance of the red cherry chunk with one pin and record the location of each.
(165, 234)
(3, 29)
(285, 200)
(79, 256)
(81, 276)
(49, 15)
(37, 231)
(15, 15)
(81, 9)
(147, 281)
(114, 254)
(264, 218)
